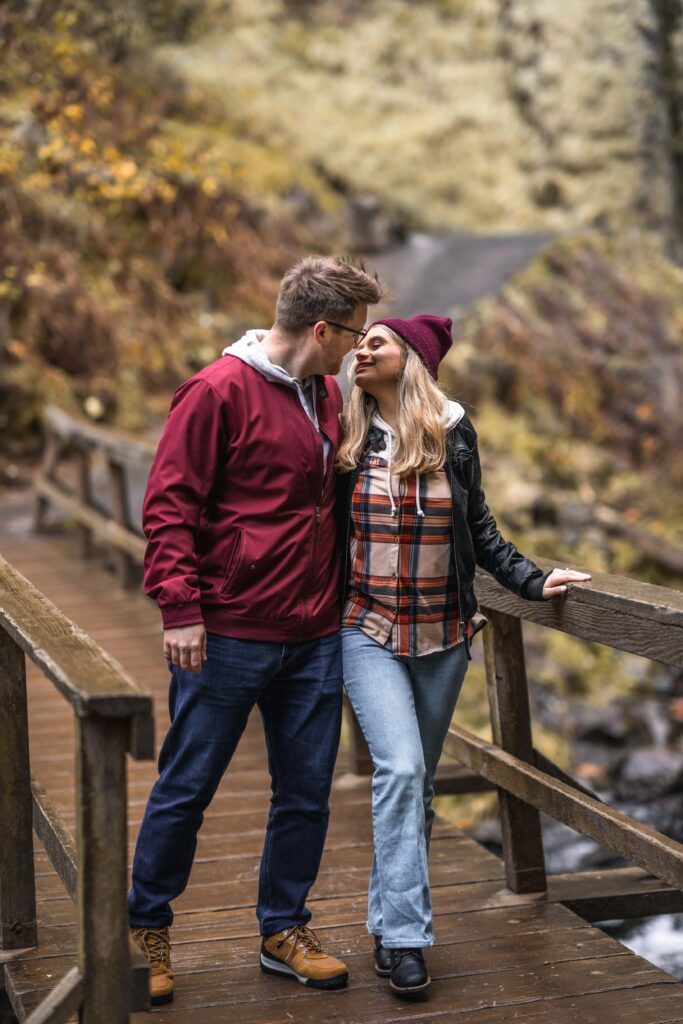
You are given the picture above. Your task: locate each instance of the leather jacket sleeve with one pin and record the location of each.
(498, 556)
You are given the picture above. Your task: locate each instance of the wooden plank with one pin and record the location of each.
(622, 613)
(616, 893)
(94, 522)
(632, 839)
(17, 885)
(511, 728)
(455, 778)
(84, 433)
(55, 836)
(118, 480)
(83, 499)
(103, 934)
(62, 1002)
(87, 676)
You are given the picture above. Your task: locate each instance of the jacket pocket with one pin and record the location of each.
(232, 561)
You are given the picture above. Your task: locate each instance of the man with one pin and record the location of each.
(241, 559)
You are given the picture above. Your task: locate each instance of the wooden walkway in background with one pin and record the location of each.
(500, 957)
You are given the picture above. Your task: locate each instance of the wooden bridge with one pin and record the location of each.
(513, 944)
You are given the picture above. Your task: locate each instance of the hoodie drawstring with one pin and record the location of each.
(417, 496)
(394, 510)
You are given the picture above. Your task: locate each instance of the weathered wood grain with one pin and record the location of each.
(17, 886)
(634, 840)
(103, 935)
(88, 677)
(622, 613)
(62, 1002)
(511, 729)
(55, 836)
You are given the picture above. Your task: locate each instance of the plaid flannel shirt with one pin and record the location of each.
(402, 582)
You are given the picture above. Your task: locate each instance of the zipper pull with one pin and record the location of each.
(317, 513)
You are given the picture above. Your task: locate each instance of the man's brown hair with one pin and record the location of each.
(324, 288)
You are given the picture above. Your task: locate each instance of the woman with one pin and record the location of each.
(414, 525)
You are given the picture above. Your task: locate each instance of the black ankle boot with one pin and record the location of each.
(382, 958)
(409, 975)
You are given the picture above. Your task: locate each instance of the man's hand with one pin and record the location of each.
(556, 584)
(186, 646)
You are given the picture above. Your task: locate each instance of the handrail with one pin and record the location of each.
(112, 716)
(625, 614)
(87, 676)
(67, 438)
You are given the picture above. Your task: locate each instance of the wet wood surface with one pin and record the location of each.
(500, 957)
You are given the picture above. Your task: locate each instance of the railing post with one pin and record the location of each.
(84, 493)
(102, 876)
(119, 506)
(17, 881)
(50, 459)
(511, 725)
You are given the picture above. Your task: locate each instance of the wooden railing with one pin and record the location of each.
(112, 716)
(99, 505)
(621, 613)
(624, 614)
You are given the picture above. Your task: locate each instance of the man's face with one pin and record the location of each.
(336, 342)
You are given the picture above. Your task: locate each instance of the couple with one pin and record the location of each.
(262, 492)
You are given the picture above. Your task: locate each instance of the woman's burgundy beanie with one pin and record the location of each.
(430, 336)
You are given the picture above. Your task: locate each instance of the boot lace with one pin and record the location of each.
(156, 944)
(303, 937)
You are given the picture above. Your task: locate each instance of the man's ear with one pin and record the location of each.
(320, 331)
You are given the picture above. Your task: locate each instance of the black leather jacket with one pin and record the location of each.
(476, 537)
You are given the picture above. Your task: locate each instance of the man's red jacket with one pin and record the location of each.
(239, 508)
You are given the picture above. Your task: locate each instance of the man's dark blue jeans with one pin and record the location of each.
(298, 688)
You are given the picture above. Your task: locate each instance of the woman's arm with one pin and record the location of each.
(500, 557)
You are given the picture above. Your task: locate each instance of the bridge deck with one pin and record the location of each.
(499, 958)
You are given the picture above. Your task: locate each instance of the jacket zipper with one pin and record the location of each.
(461, 624)
(316, 520)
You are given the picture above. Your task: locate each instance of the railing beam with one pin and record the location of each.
(511, 726)
(103, 956)
(17, 883)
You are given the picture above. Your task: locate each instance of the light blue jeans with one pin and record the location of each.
(404, 707)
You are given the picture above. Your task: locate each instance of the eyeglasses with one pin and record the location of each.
(359, 335)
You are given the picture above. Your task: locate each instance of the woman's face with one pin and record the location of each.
(378, 360)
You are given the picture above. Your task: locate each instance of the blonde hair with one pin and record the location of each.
(420, 428)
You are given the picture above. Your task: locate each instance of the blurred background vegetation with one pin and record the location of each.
(162, 163)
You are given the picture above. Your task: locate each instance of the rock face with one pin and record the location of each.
(487, 115)
(600, 86)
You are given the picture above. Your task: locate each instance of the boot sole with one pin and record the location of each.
(383, 972)
(414, 992)
(271, 966)
(160, 1000)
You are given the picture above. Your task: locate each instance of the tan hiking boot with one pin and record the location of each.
(296, 953)
(156, 946)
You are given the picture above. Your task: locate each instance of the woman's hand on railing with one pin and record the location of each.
(556, 584)
(185, 646)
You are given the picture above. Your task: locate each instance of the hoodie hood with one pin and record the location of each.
(250, 350)
(453, 412)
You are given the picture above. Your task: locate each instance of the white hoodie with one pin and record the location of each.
(453, 412)
(250, 350)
